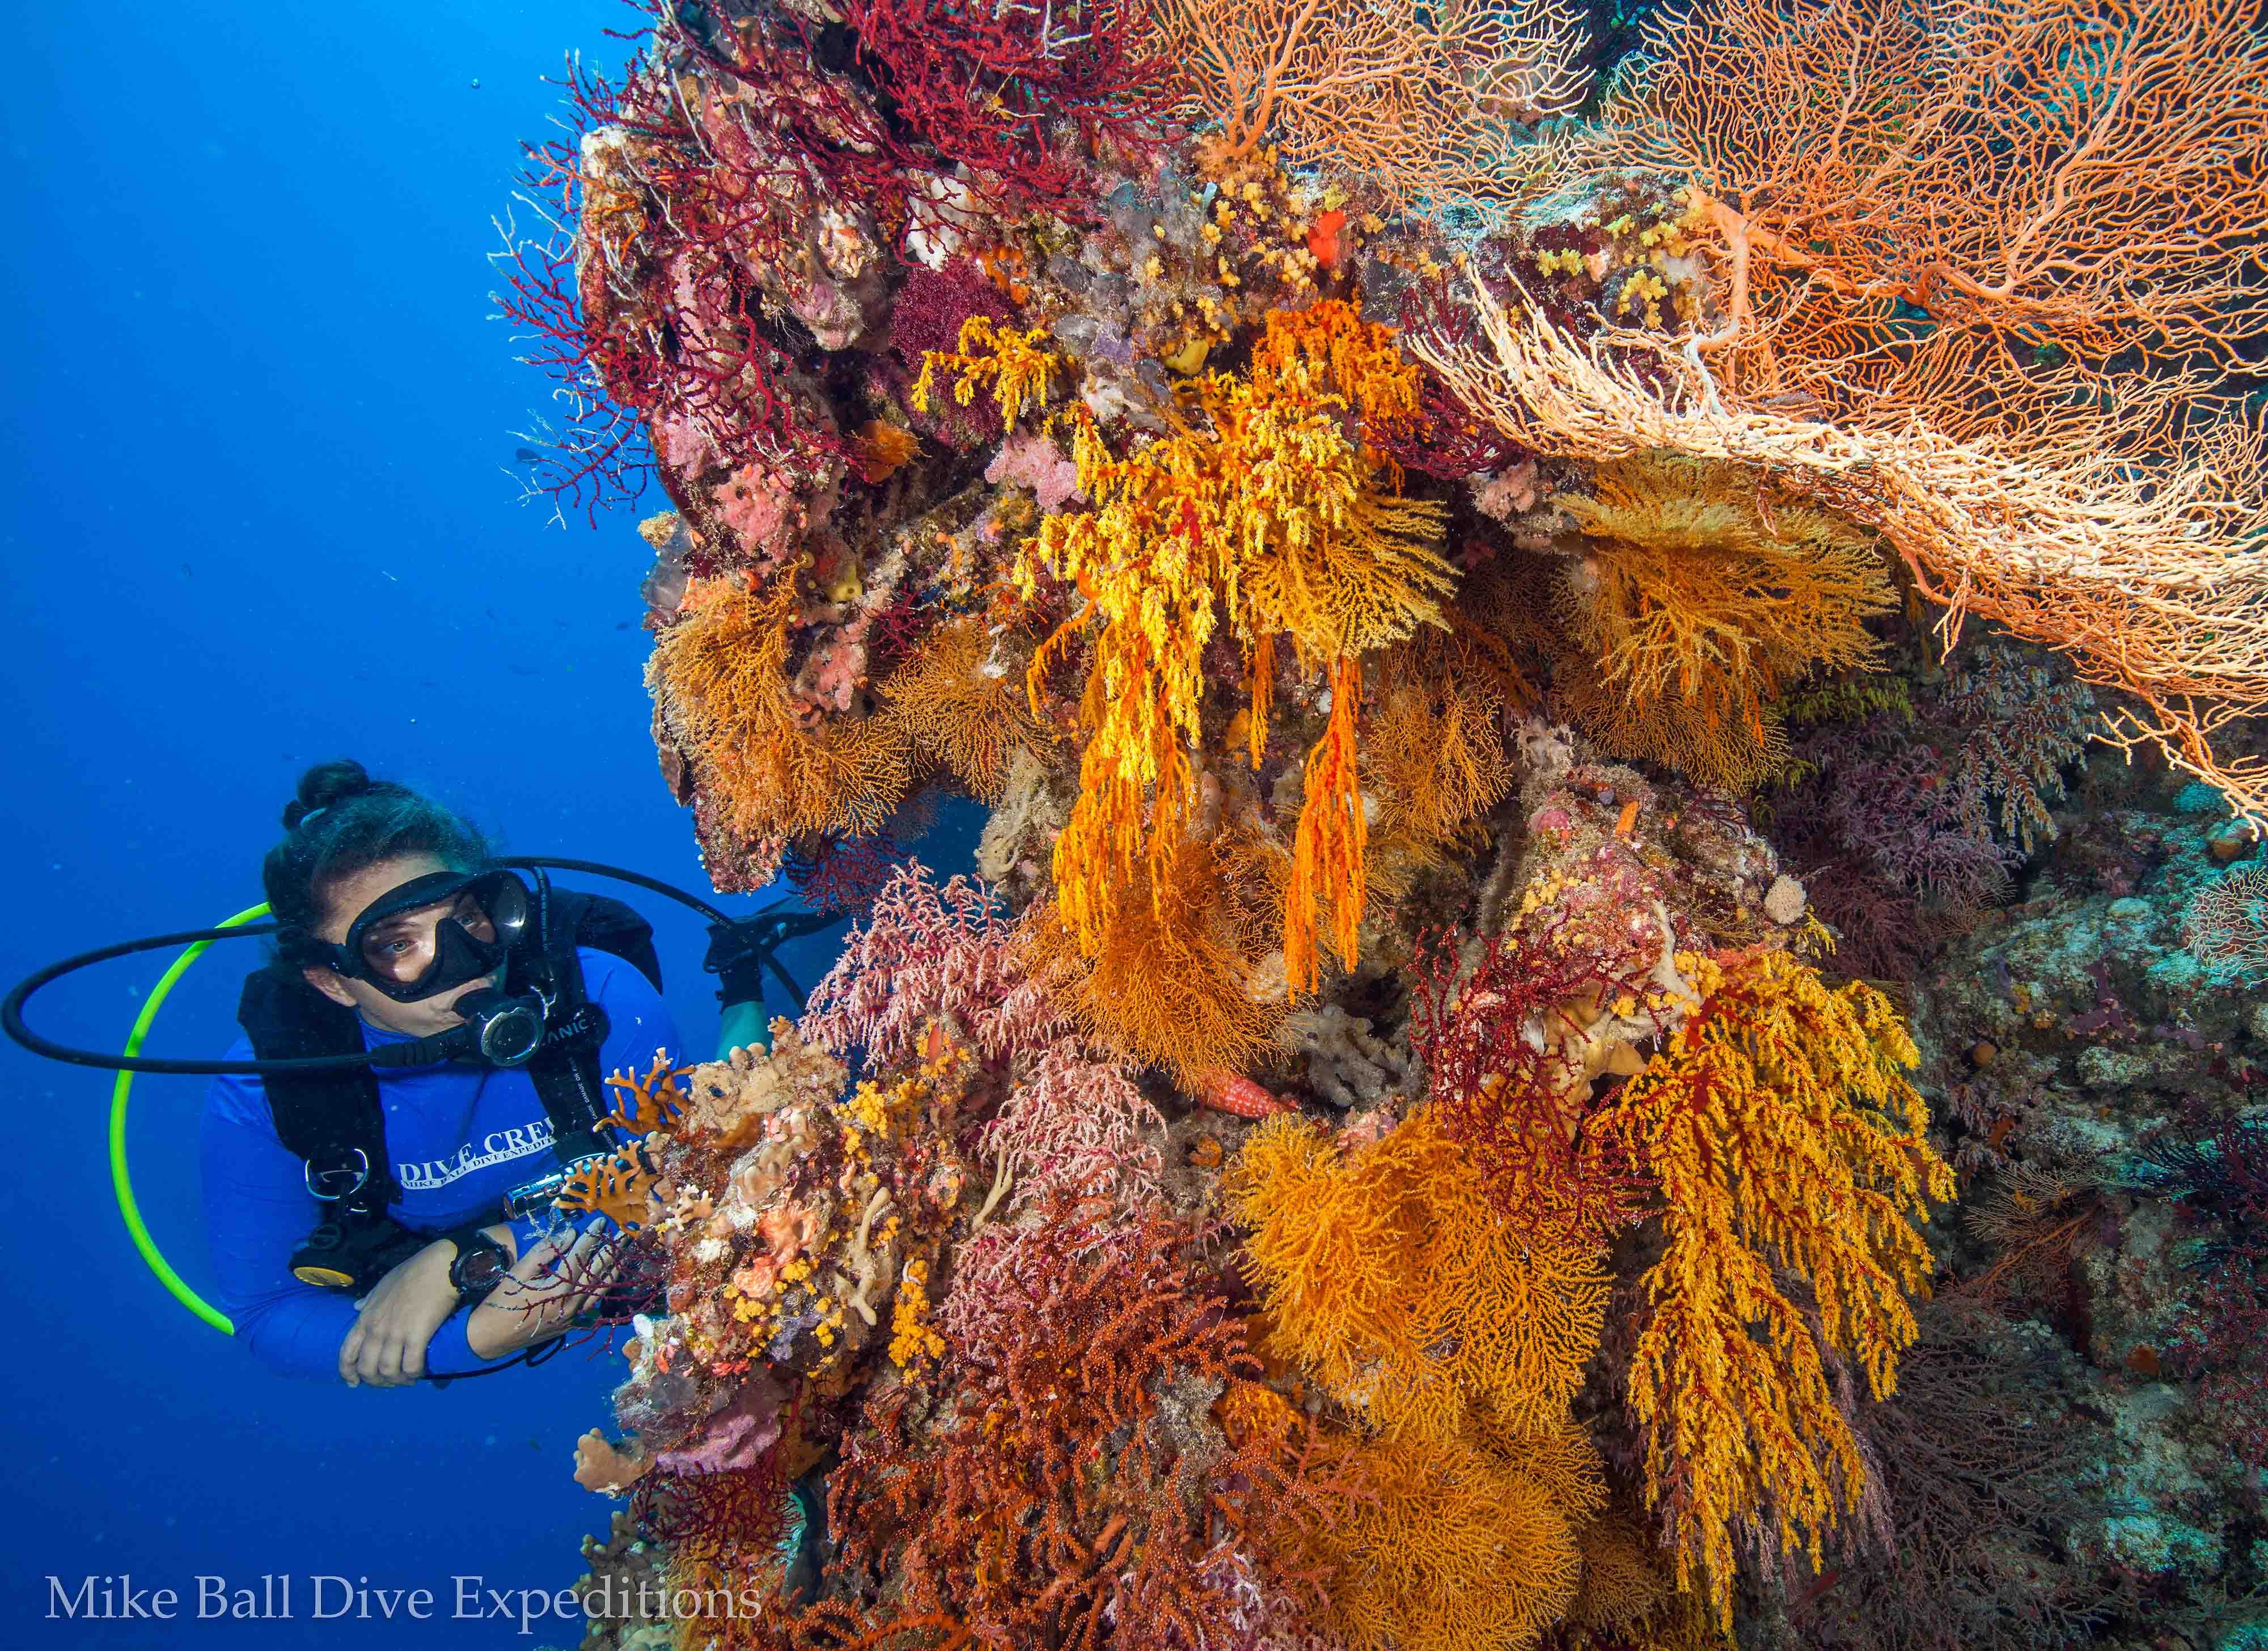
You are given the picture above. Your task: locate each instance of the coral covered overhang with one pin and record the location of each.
(1425, 555)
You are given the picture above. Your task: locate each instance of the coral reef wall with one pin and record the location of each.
(1615, 979)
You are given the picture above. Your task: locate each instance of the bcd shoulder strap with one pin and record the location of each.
(330, 1120)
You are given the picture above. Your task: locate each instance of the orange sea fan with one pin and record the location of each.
(720, 683)
(1413, 98)
(1435, 748)
(1451, 1549)
(962, 708)
(1390, 1277)
(1171, 983)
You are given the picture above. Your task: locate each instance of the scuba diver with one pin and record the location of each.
(421, 1072)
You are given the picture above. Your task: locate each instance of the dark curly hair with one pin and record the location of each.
(341, 821)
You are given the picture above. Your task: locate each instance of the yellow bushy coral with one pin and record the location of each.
(720, 683)
(1257, 513)
(1018, 370)
(1389, 1277)
(1788, 1143)
(1702, 594)
(1449, 1550)
(961, 710)
(1436, 748)
(1170, 983)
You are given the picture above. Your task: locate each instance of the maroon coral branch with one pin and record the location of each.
(989, 83)
(1499, 1047)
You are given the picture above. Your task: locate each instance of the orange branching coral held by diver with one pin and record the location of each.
(651, 1102)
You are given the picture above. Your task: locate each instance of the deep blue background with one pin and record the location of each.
(256, 515)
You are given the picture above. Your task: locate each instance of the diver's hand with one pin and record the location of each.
(386, 1347)
(547, 1289)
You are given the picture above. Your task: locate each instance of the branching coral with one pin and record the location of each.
(1779, 1125)
(719, 685)
(988, 87)
(932, 954)
(1700, 599)
(1070, 1498)
(1512, 1041)
(1412, 97)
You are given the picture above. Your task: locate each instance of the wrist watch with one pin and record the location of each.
(481, 1263)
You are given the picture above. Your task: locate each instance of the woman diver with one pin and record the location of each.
(393, 926)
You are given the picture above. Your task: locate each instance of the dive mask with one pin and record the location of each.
(433, 933)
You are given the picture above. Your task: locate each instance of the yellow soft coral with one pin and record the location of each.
(1787, 1142)
(1259, 514)
(1019, 372)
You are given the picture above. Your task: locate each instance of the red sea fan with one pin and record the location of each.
(996, 87)
(843, 874)
(1510, 1051)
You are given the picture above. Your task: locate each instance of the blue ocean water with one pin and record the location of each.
(258, 514)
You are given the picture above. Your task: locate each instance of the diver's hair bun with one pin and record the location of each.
(324, 785)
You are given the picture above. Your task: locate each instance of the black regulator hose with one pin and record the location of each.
(12, 1011)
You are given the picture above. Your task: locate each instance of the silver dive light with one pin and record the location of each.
(541, 1193)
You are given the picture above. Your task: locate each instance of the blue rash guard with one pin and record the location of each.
(461, 1137)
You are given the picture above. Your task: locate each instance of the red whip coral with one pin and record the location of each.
(990, 87)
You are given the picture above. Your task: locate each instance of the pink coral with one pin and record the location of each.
(1076, 1126)
(1032, 460)
(930, 953)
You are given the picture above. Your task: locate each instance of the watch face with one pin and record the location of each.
(481, 1269)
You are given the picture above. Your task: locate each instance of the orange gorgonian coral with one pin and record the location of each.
(719, 683)
(1414, 97)
(1789, 1145)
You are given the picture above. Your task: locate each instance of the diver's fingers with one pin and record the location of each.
(351, 1356)
(385, 1364)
